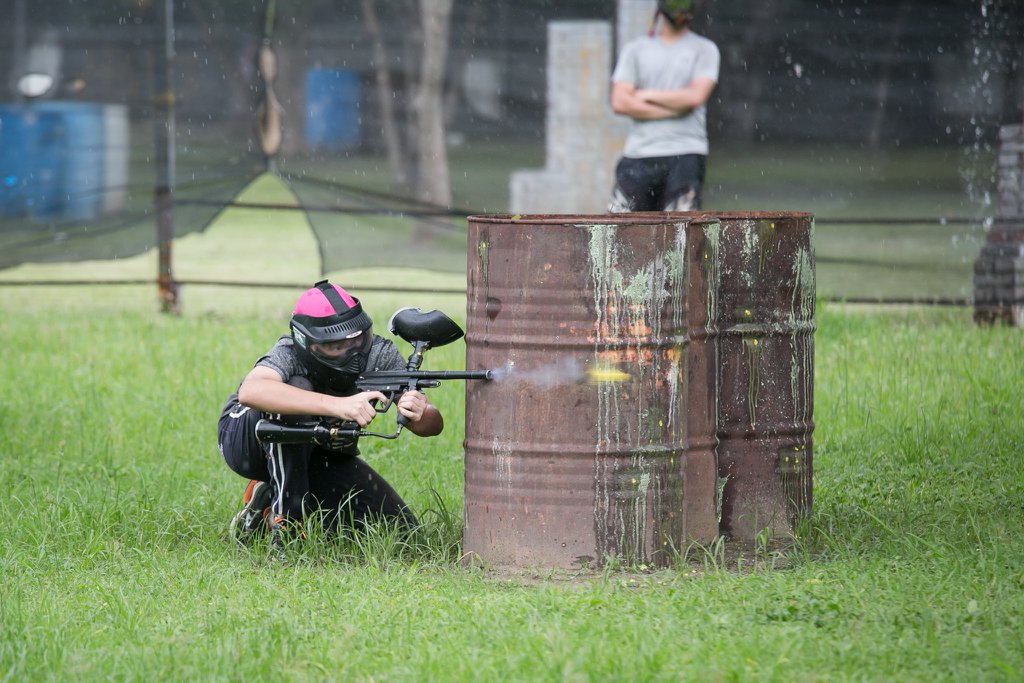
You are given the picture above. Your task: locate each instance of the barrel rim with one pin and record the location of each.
(623, 219)
(750, 215)
(639, 217)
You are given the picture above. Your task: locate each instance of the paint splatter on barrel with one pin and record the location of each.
(578, 452)
(654, 384)
(761, 329)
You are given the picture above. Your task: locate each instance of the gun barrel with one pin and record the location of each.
(275, 432)
(454, 374)
(429, 374)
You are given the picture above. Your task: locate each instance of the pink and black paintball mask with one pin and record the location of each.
(331, 331)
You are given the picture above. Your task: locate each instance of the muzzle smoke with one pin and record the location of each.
(559, 373)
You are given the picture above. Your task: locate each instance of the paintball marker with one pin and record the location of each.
(424, 331)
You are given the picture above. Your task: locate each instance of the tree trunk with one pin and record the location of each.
(385, 97)
(411, 57)
(432, 181)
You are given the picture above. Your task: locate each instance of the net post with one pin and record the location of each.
(165, 167)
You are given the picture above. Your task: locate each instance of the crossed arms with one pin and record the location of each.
(648, 105)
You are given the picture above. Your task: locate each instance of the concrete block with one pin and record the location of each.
(539, 192)
(582, 136)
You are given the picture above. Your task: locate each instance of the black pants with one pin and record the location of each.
(658, 183)
(305, 477)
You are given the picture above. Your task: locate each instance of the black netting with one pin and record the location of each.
(881, 118)
(81, 162)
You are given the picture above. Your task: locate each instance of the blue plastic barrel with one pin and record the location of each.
(52, 160)
(14, 152)
(30, 162)
(332, 108)
(82, 144)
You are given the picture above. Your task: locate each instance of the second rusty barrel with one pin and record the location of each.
(761, 320)
(587, 446)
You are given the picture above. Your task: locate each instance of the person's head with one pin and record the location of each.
(679, 13)
(332, 334)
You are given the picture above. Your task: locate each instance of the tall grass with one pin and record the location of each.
(116, 562)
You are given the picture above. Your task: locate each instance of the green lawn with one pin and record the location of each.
(117, 564)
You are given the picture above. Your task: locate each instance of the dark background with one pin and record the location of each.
(846, 108)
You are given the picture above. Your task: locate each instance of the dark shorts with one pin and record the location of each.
(658, 183)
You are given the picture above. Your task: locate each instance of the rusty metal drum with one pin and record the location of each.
(761, 273)
(587, 446)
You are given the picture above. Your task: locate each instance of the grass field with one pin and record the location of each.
(117, 565)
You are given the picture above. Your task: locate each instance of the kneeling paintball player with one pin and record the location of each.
(312, 372)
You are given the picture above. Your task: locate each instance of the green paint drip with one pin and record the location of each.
(767, 237)
(603, 254)
(750, 247)
(753, 348)
(804, 285)
(629, 309)
(639, 305)
(485, 262)
(675, 262)
(640, 510)
(711, 265)
(802, 322)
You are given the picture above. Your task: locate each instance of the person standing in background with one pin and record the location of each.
(663, 81)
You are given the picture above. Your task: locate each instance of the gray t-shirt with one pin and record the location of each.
(282, 358)
(650, 63)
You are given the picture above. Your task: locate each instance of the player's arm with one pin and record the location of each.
(626, 102)
(263, 389)
(682, 100)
